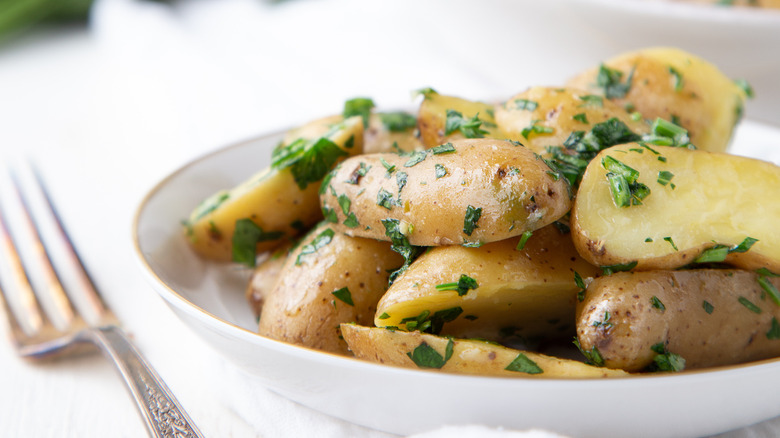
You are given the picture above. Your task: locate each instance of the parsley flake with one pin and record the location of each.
(416, 158)
(523, 239)
(525, 104)
(774, 331)
(523, 364)
(246, 236)
(610, 80)
(749, 305)
(398, 121)
(655, 302)
(344, 295)
(318, 242)
(351, 221)
(440, 170)
(424, 356)
(385, 199)
(470, 128)
(345, 203)
(359, 106)
(470, 220)
(462, 286)
(445, 148)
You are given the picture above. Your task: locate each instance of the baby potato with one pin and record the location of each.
(546, 116)
(675, 319)
(701, 207)
(460, 356)
(277, 202)
(391, 132)
(674, 85)
(445, 118)
(264, 277)
(469, 191)
(496, 291)
(328, 279)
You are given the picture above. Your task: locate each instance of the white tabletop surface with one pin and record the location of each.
(107, 111)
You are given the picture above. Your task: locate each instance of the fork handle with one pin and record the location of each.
(162, 413)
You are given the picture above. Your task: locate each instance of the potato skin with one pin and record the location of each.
(730, 334)
(555, 108)
(716, 199)
(271, 199)
(522, 295)
(301, 309)
(264, 277)
(468, 356)
(432, 118)
(706, 102)
(512, 186)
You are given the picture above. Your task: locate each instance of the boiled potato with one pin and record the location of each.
(444, 118)
(264, 277)
(328, 279)
(674, 85)
(278, 202)
(702, 206)
(519, 296)
(545, 116)
(469, 191)
(423, 351)
(675, 319)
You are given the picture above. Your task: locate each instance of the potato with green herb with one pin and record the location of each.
(466, 192)
(514, 291)
(444, 118)
(264, 277)
(674, 85)
(461, 356)
(674, 320)
(655, 207)
(328, 279)
(275, 204)
(546, 116)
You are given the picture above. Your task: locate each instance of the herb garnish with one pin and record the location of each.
(398, 121)
(677, 77)
(655, 302)
(592, 357)
(401, 245)
(671, 242)
(318, 242)
(330, 215)
(581, 117)
(440, 170)
(525, 104)
(580, 284)
(609, 80)
(385, 199)
(536, 129)
(665, 360)
(523, 239)
(427, 323)
(344, 295)
(359, 106)
(774, 331)
(424, 356)
(358, 173)
(471, 218)
(746, 88)
(470, 128)
(523, 364)
(718, 253)
(620, 267)
(309, 161)
(462, 286)
(749, 305)
(246, 236)
(345, 203)
(416, 158)
(707, 306)
(445, 148)
(351, 221)
(626, 190)
(665, 177)
(400, 179)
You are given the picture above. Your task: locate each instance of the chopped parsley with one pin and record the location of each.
(400, 179)
(671, 242)
(523, 240)
(210, 204)
(665, 361)
(470, 128)
(769, 288)
(359, 106)
(525, 104)
(718, 253)
(445, 148)
(398, 121)
(609, 79)
(462, 286)
(774, 331)
(344, 295)
(666, 133)
(605, 322)
(440, 170)
(309, 161)
(246, 236)
(656, 303)
(746, 88)
(427, 323)
(401, 245)
(424, 356)
(358, 173)
(425, 92)
(385, 199)
(665, 177)
(384, 315)
(318, 242)
(470, 220)
(592, 356)
(389, 167)
(591, 100)
(536, 129)
(351, 221)
(344, 203)
(580, 284)
(707, 306)
(749, 305)
(416, 158)
(523, 364)
(611, 269)
(581, 117)
(677, 79)
(626, 190)
(330, 215)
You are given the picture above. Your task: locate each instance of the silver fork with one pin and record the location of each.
(35, 335)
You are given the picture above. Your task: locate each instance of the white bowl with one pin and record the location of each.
(209, 298)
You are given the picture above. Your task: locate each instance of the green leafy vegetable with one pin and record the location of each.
(523, 364)
(470, 128)
(246, 236)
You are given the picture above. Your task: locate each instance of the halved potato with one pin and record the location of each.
(462, 356)
(328, 279)
(467, 119)
(674, 85)
(701, 206)
(279, 202)
(546, 116)
(465, 192)
(707, 317)
(520, 295)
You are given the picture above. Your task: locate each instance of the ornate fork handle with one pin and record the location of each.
(160, 409)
